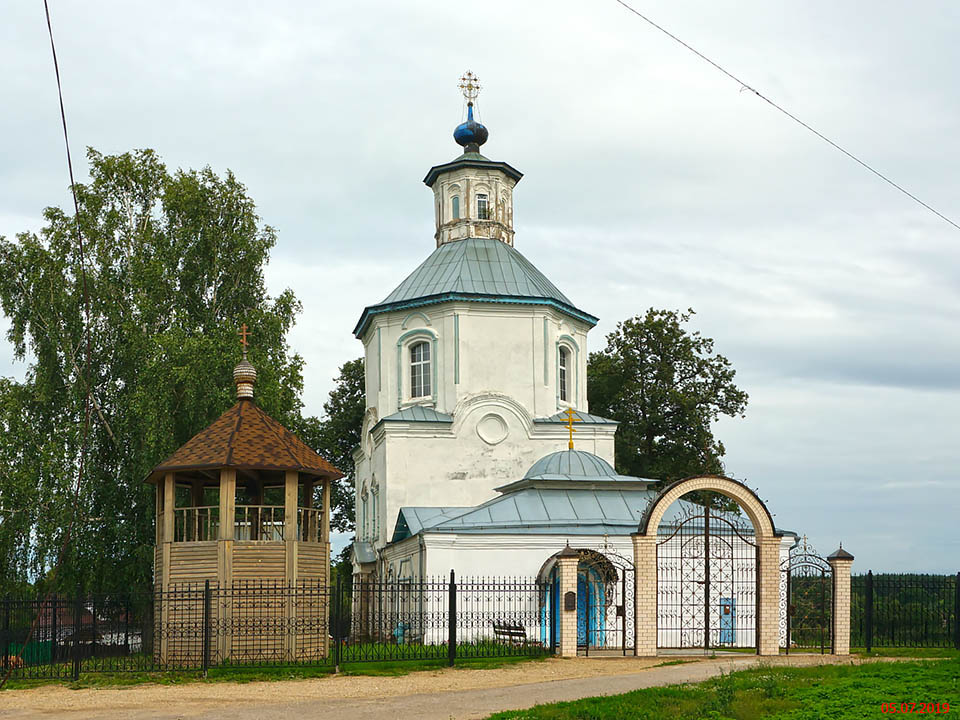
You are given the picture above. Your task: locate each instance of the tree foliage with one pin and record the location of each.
(666, 386)
(174, 264)
(337, 435)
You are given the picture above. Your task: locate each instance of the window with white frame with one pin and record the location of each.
(420, 370)
(564, 373)
(375, 497)
(455, 207)
(483, 207)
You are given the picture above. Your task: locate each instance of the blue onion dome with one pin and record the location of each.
(571, 465)
(471, 134)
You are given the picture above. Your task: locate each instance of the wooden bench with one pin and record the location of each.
(513, 633)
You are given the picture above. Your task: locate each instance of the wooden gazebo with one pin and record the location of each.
(244, 502)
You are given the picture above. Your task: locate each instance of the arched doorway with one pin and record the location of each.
(605, 602)
(724, 587)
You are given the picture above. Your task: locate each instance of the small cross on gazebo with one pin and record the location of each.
(243, 333)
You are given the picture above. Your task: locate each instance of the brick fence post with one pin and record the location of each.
(645, 594)
(768, 632)
(567, 562)
(841, 562)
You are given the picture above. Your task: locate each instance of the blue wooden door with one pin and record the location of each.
(728, 620)
(582, 590)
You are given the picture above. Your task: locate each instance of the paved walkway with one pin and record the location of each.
(383, 697)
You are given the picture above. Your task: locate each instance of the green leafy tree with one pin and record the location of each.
(666, 386)
(174, 264)
(337, 435)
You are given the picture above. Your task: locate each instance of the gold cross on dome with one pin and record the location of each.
(570, 421)
(243, 338)
(470, 86)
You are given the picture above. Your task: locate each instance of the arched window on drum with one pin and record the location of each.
(420, 376)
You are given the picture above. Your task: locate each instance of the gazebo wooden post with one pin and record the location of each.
(325, 535)
(169, 498)
(325, 539)
(228, 504)
(291, 486)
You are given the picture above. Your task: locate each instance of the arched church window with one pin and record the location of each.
(564, 373)
(483, 207)
(420, 370)
(455, 206)
(364, 521)
(375, 495)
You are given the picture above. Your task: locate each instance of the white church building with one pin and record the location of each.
(474, 365)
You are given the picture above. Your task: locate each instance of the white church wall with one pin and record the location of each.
(464, 184)
(508, 349)
(495, 370)
(489, 445)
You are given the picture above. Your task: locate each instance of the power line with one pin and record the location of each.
(85, 378)
(750, 88)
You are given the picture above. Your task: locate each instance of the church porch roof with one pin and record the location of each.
(549, 511)
(561, 419)
(418, 413)
(413, 520)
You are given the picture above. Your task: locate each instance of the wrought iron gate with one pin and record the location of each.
(806, 590)
(606, 584)
(707, 575)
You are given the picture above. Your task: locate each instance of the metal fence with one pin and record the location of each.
(905, 610)
(200, 626)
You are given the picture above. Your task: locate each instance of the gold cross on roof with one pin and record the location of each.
(243, 338)
(570, 412)
(470, 85)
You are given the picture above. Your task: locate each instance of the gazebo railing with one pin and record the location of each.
(196, 524)
(308, 524)
(251, 522)
(258, 522)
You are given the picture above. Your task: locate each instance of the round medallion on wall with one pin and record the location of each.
(492, 429)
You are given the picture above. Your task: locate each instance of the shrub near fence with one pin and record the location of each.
(265, 624)
(905, 610)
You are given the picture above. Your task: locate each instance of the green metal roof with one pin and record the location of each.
(474, 270)
(418, 413)
(573, 465)
(413, 520)
(561, 419)
(534, 511)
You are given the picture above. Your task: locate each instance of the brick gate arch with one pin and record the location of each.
(768, 560)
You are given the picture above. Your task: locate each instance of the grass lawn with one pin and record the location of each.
(255, 674)
(842, 692)
(908, 652)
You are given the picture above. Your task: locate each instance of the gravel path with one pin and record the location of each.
(428, 695)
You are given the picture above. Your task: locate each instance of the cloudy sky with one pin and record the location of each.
(650, 180)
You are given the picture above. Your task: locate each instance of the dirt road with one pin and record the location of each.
(428, 695)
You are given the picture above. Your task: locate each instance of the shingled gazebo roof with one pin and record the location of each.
(245, 438)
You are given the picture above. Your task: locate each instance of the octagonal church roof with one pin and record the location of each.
(474, 270)
(246, 438)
